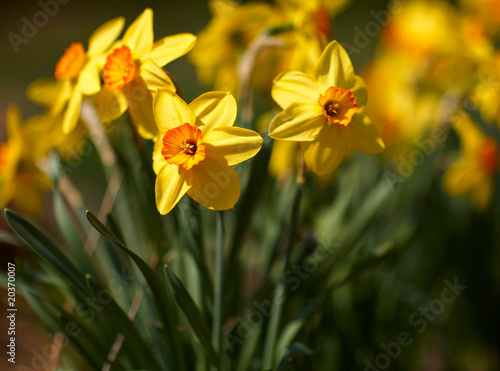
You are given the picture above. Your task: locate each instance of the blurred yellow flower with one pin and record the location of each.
(475, 171)
(47, 129)
(422, 27)
(196, 150)
(488, 11)
(324, 112)
(229, 33)
(78, 72)
(312, 16)
(21, 181)
(132, 72)
(489, 91)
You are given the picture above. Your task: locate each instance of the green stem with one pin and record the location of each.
(218, 287)
(272, 334)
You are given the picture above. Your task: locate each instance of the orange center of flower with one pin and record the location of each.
(183, 146)
(338, 105)
(71, 63)
(489, 156)
(119, 69)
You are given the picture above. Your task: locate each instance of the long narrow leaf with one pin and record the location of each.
(193, 314)
(162, 301)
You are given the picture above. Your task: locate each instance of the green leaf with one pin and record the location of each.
(193, 314)
(136, 345)
(294, 350)
(68, 230)
(102, 229)
(160, 295)
(47, 249)
(293, 327)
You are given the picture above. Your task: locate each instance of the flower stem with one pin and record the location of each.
(218, 287)
(279, 296)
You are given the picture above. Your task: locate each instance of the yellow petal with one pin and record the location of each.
(295, 87)
(214, 109)
(481, 194)
(13, 122)
(89, 82)
(283, 158)
(111, 104)
(171, 185)
(72, 112)
(171, 111)
(170, 48)
(215, 185)
(28, 194)
(154, 77)
(65, 91)
(140, 107)
(324, 154)
(105, 35)
(334, 68)
(361, 135)
(139, 35)
(44, 91)
(359, 91)
(158, 159)
(232, 144)
(460, 177)
(7, 188)
(298, 122)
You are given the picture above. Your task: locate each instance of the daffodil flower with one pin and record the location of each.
(77, 72)
(21, 181)
(133, 71)
(196, 150)
(232, 29)
(324, 112)
(475, 171)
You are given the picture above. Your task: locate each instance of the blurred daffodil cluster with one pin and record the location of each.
(435, 65)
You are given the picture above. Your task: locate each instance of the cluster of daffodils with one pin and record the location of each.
(437, 67)
(196, 145)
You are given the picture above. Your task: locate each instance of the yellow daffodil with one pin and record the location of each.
(474, 173)
(488, 11)
(21, 181)
(324, 112)
(312, 16)
(78, 73)
(133, 71)
(196, 150)
(420, 28)
(489, 91)
(229, 33)
(47, 129)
